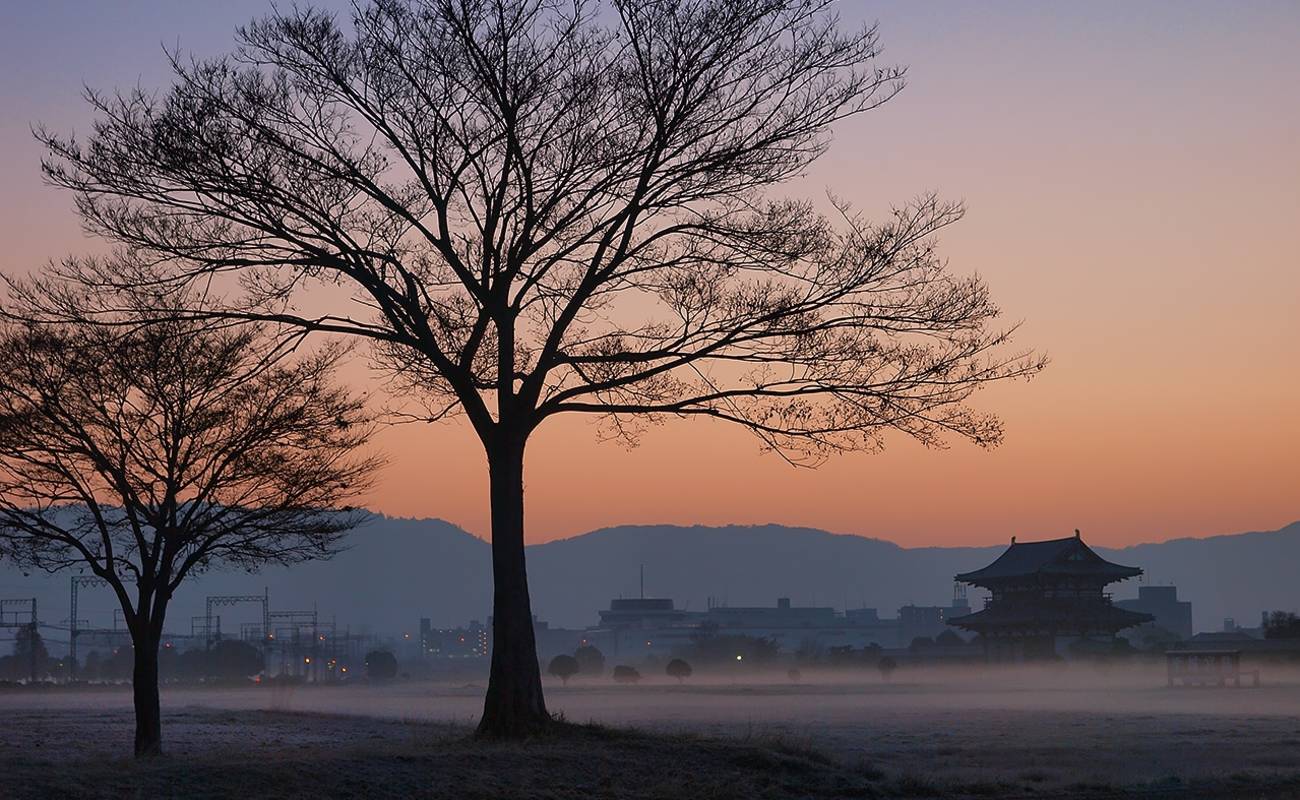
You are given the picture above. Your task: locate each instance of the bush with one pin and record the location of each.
(381, 665)
(678, 669)
(564, 667)
(794, 675)
(626, 674)
(231, 660)
(887, 665)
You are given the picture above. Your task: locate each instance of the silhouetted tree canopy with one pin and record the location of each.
(230, 660)
(920, 643)
(381, 665)
(949, 639)
(564, 667)
(715, 648)
(679, 669)
(30, 659)
(887, 665)
(1282, 625)
(547, 208)
(146, 447)
(626, 674)
(590, 660)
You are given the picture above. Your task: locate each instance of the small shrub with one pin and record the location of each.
(626, 674)
(590, 660)
(381, 665)
(679, 669)
(564, 667)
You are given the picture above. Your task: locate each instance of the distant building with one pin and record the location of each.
(1253, 649)
(927, 622)
(1168, 612)
(633, 628)
(1047, 597)
(468, 641)
(639, 627)
(552, 642)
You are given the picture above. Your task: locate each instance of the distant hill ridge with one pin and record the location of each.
(397, 570)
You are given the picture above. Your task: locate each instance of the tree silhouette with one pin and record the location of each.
(590, 660)
(625, 674)
(231, 660)
(381, 665)
(564, 667)
(1282, 625)
(30, 659)
(146, 454)
(556, 208)
(679, 669)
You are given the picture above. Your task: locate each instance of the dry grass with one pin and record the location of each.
(259, 754)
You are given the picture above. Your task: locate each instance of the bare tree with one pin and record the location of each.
(554, 206)
(149, 454)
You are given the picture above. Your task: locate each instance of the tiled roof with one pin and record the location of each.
(1069, 556)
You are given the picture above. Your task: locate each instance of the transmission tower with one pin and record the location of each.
(218, 600)
(21, 615)
(74, 624)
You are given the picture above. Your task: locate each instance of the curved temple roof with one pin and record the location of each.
(1056, 557)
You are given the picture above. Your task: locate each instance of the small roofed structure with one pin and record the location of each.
(1048, 599)
(1203, 667)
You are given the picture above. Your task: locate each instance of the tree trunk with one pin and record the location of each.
(148, 713)
(514, 706)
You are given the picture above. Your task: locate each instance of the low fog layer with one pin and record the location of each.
(756, 697)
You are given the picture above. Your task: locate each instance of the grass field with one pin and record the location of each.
(1086, 736)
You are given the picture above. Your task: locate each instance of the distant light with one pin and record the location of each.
(404, 636)
(740, 658)
(647, 642)
(345, 669)
(306, 659)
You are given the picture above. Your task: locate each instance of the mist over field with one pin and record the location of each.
(1086, 730)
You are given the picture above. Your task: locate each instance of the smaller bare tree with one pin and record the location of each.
(150, 452)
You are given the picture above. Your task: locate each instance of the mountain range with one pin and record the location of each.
(397, 570)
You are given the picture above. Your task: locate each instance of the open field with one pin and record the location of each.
(1041, 734)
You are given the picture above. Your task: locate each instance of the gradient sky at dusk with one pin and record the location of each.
(1132, 171)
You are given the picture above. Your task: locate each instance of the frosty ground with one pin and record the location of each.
(1077, 732)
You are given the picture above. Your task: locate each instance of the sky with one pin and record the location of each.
(1132, 174)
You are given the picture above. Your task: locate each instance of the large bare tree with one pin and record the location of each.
(545, 207)
(149, 454)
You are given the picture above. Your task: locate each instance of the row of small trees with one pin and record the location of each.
(229, 660)
(565, 667)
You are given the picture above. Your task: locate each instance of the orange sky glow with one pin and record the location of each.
(1133, 185)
